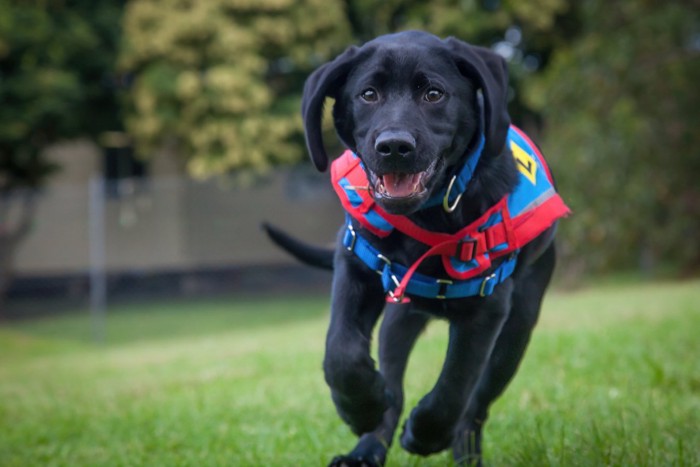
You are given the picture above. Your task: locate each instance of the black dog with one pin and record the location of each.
(415, 109)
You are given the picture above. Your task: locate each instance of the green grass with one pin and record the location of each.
(612, 378)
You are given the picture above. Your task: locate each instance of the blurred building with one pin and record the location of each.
(156, 231)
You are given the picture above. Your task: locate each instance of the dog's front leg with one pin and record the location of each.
(472, 335)
(399, 330)
(358, 390)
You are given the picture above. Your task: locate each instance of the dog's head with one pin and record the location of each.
(407, 105)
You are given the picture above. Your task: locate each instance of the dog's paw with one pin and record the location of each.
(352, 461)
(363, 416)
(369, 452)
(427, 441)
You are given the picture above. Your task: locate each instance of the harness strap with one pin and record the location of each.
(477, 244)
(494, 235)
(352, 187)
(459, 181)
(398, 280)
(466, 255)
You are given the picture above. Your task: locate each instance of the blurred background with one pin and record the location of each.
(143, 142)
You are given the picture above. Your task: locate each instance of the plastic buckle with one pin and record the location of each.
(460, 248)
(443, 288)
(482, 289)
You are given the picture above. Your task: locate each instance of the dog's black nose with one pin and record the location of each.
(395, 143)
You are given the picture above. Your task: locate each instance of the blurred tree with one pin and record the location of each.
(621, 103)
(613, 87)
(522, 32)
(55, 63)
(479, 22)
(223, 77)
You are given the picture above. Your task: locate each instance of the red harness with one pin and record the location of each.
(511, 223)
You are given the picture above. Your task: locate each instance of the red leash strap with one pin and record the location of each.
(398, 295)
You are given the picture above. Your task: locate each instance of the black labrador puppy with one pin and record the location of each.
(414, 109)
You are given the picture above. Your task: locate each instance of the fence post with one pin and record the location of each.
(96, 238)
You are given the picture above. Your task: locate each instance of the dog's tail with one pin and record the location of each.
(308, 254)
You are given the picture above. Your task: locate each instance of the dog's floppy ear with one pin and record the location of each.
(326, 81)
(490, 72)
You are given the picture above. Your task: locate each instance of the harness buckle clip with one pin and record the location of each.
(442, 293)
(482, 290)
(353, 234)
(459, 250)
(387, 261)
(394, 298)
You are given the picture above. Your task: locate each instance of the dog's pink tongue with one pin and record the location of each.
(400, 185)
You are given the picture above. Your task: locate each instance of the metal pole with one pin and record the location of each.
(96, 238)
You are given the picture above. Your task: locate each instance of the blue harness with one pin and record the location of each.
(422, 285)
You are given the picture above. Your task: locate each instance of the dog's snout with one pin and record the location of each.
(395, 143)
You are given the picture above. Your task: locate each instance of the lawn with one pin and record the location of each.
(612, 378)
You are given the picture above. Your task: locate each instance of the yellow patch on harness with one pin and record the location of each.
(526, 164)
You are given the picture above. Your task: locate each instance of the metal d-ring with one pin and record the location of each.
(446, 200)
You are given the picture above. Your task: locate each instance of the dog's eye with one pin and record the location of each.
(369, 95)
(433, 95)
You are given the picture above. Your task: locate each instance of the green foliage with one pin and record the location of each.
(620, 103)
(54, 60)
(480, 22)
(223, 77)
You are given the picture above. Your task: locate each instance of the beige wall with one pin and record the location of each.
(171, 222)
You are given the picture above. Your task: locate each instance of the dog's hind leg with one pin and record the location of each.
(505, 359)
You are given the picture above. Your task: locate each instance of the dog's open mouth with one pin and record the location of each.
(401, 192)
(399, 185)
